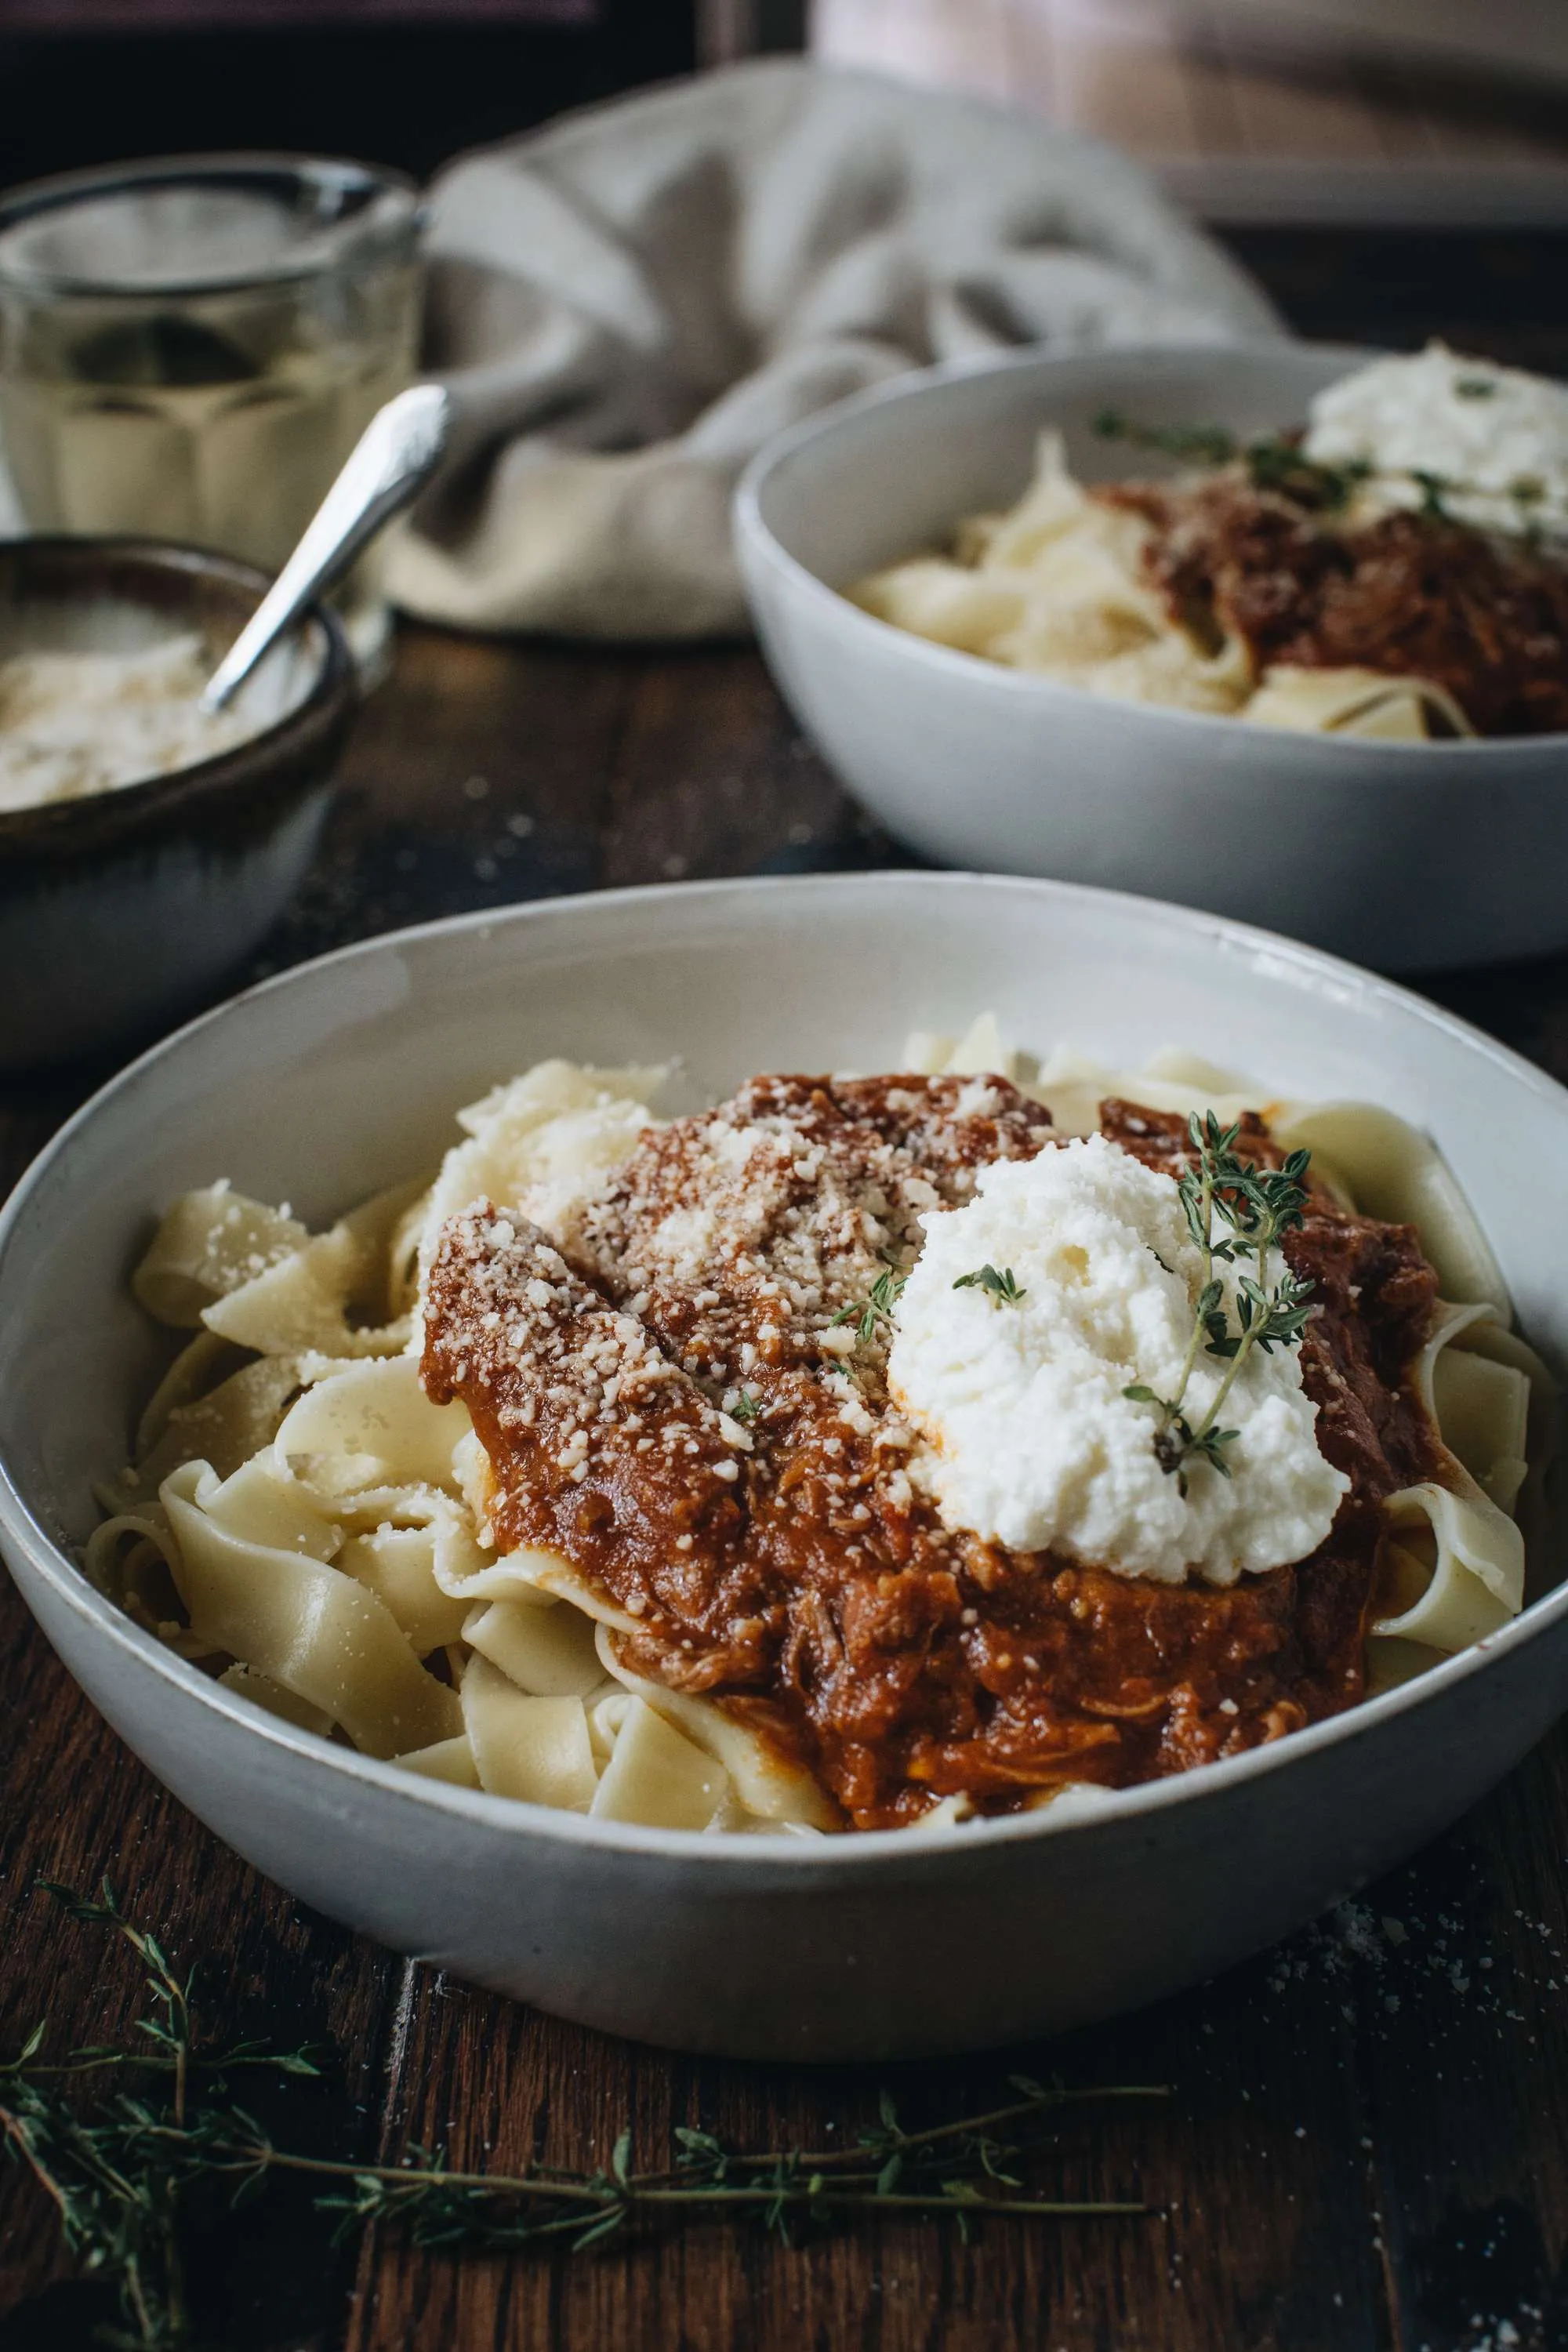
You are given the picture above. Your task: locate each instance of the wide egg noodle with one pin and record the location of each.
(127, 1558)
(524, 1745)
(202, 1364)
(369, 1443)
(264, 1693)
(384, 1235)
(760, 1787)
(1058, 587)
(1480, 1401)
(656, 1775)
(301, 1303)
(767, 1784)
(302, 1623)
(1453, 1561)
(1393, 1171)
(552, 1578)
(376, 1415)
(224, 1427)
(982, 1051)
(1525, 1500)
(550, 1653)
(451, 1760)
(398, 1564)
(211, 1242)
(261, 1503)
(947, 602)
(1072, 1087)
(553, 1136)
(1359, 702)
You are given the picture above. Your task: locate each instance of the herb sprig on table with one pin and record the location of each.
(1256, 1208)
(119, 2170)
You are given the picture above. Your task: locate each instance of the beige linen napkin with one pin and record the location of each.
(629, 303)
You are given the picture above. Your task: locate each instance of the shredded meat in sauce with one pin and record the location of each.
(783, 1562)
(1409, 594)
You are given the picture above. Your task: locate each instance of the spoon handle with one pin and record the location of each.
(393, 458)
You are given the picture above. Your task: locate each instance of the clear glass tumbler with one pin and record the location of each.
(190, 347)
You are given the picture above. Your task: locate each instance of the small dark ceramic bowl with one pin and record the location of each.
(123, 909)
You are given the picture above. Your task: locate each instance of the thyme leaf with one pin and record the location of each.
(876, 1309)
(1275, 461)
(1254, 1209)
(1199, 445)
(1003, 1290)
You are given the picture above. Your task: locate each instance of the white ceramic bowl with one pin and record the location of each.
(343, 1075)
(1406, 856)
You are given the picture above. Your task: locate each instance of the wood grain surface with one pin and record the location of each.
(1362, 2148)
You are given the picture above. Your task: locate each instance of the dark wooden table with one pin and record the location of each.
(1362, 2150)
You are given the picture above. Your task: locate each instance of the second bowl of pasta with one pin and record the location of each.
(1199, 624)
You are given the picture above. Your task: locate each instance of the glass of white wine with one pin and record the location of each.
(190, 347)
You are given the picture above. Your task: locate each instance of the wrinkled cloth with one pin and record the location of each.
(630, 302)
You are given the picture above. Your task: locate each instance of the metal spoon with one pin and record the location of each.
(393, 457)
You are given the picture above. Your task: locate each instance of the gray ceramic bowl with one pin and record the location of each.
(123, 909)
(1406, 856)
(838, 1947)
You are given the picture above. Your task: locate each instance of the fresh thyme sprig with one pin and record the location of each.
(1256, 1207)
(746, 1407)
(118, 2174)
(876, 1308)
(1274, 461)
(1003, 1288)
(1196, 445)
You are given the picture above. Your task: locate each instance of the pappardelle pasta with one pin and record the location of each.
(1395, 569)
(1061, 585)
(665, 1471)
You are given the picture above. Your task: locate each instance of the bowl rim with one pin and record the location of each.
(46, 824)
(1396, 760)
(761, 1855)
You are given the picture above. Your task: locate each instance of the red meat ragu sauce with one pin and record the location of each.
(1408, 595)
(784, 1564)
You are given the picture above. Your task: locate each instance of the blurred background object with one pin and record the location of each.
(1529, 34)
(625, 305)
(189, 349)
(403, 82)
(1412, 113)
(1428, 111)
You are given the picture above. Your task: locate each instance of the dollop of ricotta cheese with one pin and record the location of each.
(1495, 439)
(1026, 1436)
